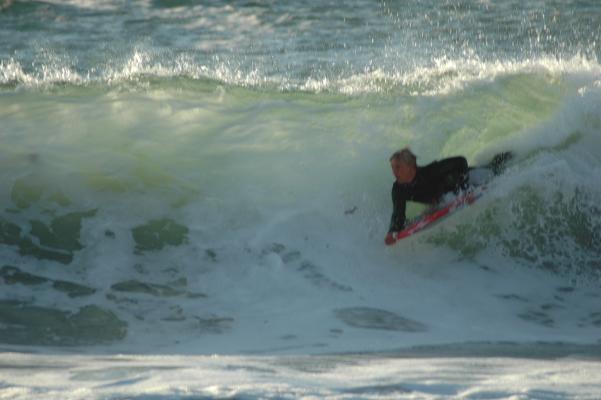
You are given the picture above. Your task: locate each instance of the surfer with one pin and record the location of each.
(429, 183)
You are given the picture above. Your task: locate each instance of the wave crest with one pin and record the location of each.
(441, 76)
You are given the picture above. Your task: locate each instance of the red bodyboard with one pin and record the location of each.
(433, 216)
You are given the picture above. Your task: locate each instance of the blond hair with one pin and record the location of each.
(405, 156)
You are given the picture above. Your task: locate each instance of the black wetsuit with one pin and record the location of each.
(430, 183)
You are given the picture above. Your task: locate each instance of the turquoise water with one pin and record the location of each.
(177, 169)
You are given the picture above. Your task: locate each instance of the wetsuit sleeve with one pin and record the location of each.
(399, 203)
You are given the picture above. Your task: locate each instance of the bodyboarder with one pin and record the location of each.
(428, 184)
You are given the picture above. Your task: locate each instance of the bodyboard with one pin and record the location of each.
(430, 217)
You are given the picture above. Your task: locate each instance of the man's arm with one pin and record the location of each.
(397, 220)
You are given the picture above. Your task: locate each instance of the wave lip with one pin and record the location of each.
(13, 74)
(442, 76)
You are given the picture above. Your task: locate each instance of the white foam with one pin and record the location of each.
(89, 377)
(442, 76)
(102, 5)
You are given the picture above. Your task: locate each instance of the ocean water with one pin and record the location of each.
(194, 198)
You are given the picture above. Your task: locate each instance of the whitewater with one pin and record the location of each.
(194, 199)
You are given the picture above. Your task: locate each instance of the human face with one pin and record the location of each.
(402, 172)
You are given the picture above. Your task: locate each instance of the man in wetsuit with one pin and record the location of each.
(425, 184)
(429, 183)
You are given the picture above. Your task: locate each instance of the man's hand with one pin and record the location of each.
(390, 239)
